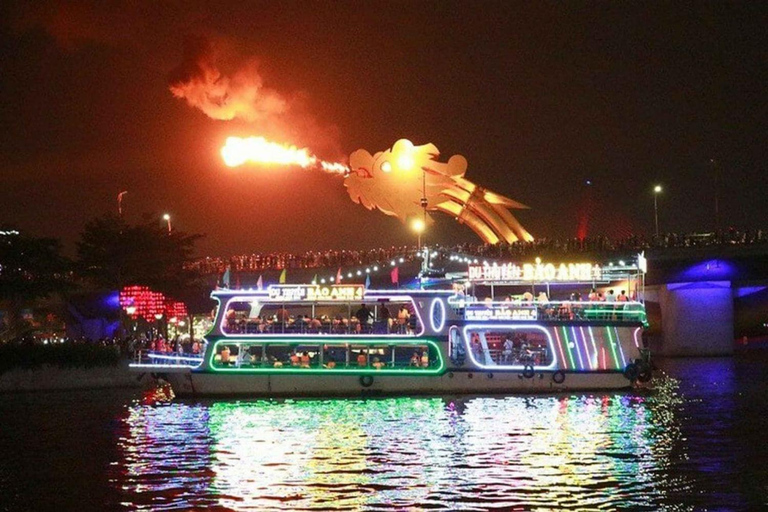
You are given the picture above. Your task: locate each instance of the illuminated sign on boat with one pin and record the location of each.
(311, 292)
(530, 272)
(481, 312)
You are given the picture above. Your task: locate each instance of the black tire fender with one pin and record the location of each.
(528, 371)
(644, 373)
(366, 381)
(631, 372)
(558, 377)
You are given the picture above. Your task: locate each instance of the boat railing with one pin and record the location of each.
(563, 311)
(153, 357)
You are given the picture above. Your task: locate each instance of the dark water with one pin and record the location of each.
(699, 441)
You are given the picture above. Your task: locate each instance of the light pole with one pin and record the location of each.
(656, 192)
(167, 219)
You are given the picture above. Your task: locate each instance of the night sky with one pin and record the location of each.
(539, 97)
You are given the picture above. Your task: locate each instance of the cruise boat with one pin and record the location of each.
(346, 340)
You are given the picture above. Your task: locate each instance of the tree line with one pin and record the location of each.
(111, 253)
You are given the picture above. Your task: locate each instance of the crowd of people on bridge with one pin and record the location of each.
(549, 246)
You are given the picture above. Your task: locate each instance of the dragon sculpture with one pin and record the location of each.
(395, 180)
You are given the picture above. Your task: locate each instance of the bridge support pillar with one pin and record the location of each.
(697, 318)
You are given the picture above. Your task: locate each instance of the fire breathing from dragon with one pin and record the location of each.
(403, 181)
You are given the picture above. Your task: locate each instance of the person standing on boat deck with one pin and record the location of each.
(386, 318)
(527, 298)
(610, 297)
(622, 297)
(282, 315)
(593, 296)
(364, 316)
(506, 352)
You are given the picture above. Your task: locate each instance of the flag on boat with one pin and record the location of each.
(314, 279)
(367, 282)
(225, 279)
(282, 277)
(260, 283)
(338, 276)
(395, 275)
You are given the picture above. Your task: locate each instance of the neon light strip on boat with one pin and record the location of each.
(621, 350)
(613, 347)
(326, 340)
(242, 298)
(440, 303)
(586, 349)
(568, 346)
(560, 347)
(594, 347)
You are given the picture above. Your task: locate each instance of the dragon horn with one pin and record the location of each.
(465, 216)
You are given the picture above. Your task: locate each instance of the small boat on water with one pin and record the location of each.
(346, 340)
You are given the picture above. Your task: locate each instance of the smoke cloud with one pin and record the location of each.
(238, 95)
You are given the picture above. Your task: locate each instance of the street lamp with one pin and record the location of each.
(656, 192)
(167, 219)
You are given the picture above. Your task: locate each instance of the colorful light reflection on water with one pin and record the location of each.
(402, 453)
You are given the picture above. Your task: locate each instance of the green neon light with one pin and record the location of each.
(613, 348)
(568, 347)
(330, 371)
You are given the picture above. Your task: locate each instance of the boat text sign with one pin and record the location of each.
(311, 292)
(532, 272)
(478, 312)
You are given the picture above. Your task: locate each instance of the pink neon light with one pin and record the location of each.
(560, 347)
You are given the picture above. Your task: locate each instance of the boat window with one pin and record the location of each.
(455, 347)
(510, 346)
(340, 356)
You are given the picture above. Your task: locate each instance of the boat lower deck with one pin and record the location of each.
(191, 383)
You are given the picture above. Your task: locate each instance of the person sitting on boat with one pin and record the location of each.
(402, 319)
(593, 296)
(425, 359)
(276, 363)
(331, 364)
(622, 297)
(377, 364)
(415, 360)
(295, 360)
(315, 324)
(362, 360)
(225, 354)
(305, 359)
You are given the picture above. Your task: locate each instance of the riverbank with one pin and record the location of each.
(55, 378)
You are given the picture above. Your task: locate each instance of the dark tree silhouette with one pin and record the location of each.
(113, 254)
(30, 269)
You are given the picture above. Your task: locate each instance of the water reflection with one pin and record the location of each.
(610, 450)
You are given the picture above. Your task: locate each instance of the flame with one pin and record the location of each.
(258, 150)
